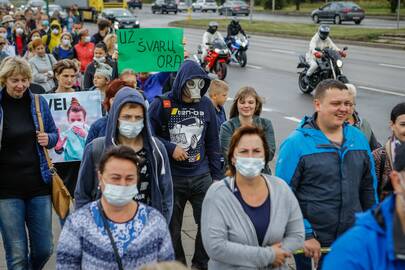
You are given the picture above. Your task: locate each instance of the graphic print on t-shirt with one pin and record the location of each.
(186, 126)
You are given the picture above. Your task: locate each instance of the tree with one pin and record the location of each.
(297, 4)
(393, 5)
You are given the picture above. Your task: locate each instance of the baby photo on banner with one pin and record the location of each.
(73, 114)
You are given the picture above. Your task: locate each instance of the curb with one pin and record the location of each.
(350, 42)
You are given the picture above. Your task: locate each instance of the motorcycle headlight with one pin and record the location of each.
(137, 22)
(339, 63)
(226, 51)
(217, 51)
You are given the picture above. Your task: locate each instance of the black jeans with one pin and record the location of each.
(193, 189)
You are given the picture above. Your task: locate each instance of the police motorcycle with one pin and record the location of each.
(217, 58)
(238, 47)
(329, 67)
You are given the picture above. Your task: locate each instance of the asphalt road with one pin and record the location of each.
(366, 23)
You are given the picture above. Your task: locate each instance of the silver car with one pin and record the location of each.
(205, 5)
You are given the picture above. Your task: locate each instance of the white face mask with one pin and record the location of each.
(249, 167)
(119, 195)
(129, 129)
(11, 24)
(19, 31)
(194, 87)
(3, 35)
(66, 42)
(87, 39)
(55, 31)
(77, 124)
(99, 59)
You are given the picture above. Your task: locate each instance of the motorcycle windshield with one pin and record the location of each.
(219, 44)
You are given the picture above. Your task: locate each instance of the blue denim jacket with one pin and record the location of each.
(49, 126)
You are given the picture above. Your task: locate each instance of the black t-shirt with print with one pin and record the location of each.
(144, 195)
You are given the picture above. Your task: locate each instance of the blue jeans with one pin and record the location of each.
(35, 214)
(304, 263)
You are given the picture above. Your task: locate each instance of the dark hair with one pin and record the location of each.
(112, 89)
(120, 152)
(101, 45)
(76, 107)
(61, 65)
(103, 24)
(242, 94)
(236, 137)
(399, 163)
(397, 111)
(325, 85)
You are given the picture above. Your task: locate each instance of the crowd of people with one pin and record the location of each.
(165, 139)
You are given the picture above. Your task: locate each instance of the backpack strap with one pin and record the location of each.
(165, 114)
(97, 151)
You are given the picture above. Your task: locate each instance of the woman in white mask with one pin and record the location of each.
(115, 232)
(64, 50)
(250, 220)
(19, 39)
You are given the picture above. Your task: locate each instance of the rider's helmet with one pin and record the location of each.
(235, 20)
(323, 32)
(212, 27)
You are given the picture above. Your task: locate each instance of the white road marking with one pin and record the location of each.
(230, 99)
(254, 67)
(382, 91)
(392, 66)
(268, 110)
(283, 51)
(291, 118)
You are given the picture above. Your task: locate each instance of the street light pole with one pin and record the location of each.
(273, 6)
(398, 13)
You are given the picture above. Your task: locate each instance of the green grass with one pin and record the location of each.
(295, 29)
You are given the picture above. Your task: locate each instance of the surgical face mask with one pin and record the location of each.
(119, 195)
(11, 24)
(249, 167)
(19, 31)
(130, 129)
(3, 35)
(77, 124)
(45, 23)
(87, 39)
(99, 59)
(66, 42)
(55, 31)
(194, 88)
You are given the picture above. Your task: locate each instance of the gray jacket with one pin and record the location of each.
(41, 65)
(229, 236)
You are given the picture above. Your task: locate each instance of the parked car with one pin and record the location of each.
(133, 4)
(205, 6)
(182, 6)
(164, 6)
(339, 12)
(120, 17)
(36, 4)
(234, 7)
(53, 8)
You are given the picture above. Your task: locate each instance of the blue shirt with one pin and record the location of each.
(221, 116)
(64, 54)
(260, 215)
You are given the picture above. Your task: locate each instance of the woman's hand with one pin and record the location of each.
(42, 138)
(280, 255)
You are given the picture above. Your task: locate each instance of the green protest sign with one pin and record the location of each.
(150, 49)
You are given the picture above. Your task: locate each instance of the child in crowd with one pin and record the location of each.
(102, 77)
(218, 93)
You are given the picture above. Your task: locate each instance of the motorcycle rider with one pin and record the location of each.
(234, 29)
(320, 40)
(209, 36)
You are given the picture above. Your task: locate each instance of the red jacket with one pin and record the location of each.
(84, 53)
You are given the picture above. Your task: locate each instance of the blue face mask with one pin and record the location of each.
(130, 129)
(249, 167)
(119, 195)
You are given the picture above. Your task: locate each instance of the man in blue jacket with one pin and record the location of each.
(330, 169)
(185, 121)
(377, 241)
(128, 124)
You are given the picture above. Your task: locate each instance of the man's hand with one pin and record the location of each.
(42, 138)
(179, 154)
(80, 132)
(281, 255)
(312, 248)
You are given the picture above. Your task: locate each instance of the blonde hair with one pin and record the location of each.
(217, 87)
(14, 65)
(164, 266)
(108, 41)
(352, 89)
